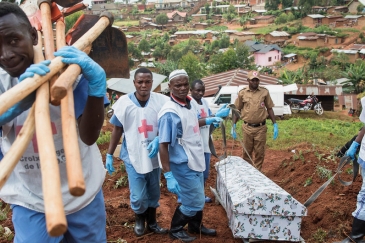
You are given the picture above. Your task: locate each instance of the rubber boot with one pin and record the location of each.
(179, 220)
(152, 223)
(140, 224)
(196, 226)
(357, 233)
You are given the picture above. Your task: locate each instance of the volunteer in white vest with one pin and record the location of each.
(358, 225)
(135, 114)
(85, 214)
(197, 90)
(182, 157)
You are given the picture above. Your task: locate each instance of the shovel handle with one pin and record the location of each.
(76, 183)
(27, 86)
(51, 182)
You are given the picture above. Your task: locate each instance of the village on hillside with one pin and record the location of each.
(310, 43)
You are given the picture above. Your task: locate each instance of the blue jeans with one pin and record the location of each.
(359, 213)
(85, 225)
(207, 166)
(192, 188)
(144, 189)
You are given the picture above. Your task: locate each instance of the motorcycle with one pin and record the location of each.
(297, 105)
(110, 113)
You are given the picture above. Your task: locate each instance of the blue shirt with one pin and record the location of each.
(170, 129)
(115, 121)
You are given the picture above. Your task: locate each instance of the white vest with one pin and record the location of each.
(191, 140)
(140, 125)
(203, 111)
(24, 186)
(362, 119)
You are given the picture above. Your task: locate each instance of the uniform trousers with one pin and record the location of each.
(192, 188)
(254, 140)
(85, 225)
(359, 213)
(144, 189)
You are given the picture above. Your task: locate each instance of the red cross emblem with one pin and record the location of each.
(34, 139)
(196, 128)
(145, 128)
(202, 113)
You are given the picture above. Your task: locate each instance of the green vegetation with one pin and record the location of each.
(104, 137)
(71, 19)
(320, 235)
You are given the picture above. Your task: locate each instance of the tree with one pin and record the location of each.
(272, 4)
(207, 8)
(162, 19)
(192, 66)
(360, 8)
(283, 18)
(167, 67)
(224, 41)
(243, 57)
(356, 77)
(231, 13)
(287, 3)
(71, 19)
(291, 17)
(144, 45)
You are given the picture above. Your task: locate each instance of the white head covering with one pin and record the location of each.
(362, 115)
(177, 73)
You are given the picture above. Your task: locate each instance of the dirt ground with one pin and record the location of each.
(329, 217)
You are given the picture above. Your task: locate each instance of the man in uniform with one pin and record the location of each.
(182, 157)
(135, 114)
(255, 104)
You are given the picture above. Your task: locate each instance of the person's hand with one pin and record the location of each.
(223, 111)
(276, 131)
(213, 120)
(17, 109)
(352, 150)
(40, 68)
(153, 145)
(233, 132)
(109, 163)
(90, 69)
(172, 184)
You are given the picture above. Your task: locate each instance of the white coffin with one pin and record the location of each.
(256, 207)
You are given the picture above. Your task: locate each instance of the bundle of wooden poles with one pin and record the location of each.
(54, 87)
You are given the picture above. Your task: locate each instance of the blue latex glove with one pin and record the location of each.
(109, 163)
(172, 184)
(40, 68)
(153, 145)
(352, 150)
(223, 111)
(90, 69)
(233, 132)
(276, 130)
(213, 120)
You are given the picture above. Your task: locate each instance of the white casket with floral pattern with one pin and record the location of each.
(256, 207)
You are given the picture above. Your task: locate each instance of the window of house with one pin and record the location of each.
(269, 59)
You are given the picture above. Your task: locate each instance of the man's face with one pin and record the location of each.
(253, 83)
(143, 84)
(197, 92)
(16, 45)
(179, 87)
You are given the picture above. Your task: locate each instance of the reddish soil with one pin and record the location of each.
(330, 212)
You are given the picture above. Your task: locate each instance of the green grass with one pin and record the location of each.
(126, 23)
(324, 132)
(347, 30)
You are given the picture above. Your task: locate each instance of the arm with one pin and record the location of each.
(271, 115)
(360, 135)
(114, 140)
(164, 157)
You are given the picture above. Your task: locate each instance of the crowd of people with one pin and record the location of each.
(177, 128)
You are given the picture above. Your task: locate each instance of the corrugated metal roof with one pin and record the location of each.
(290, 55)
(279, 33)
(125, 85)
(362, 51)
(344, 51)
(195, 32)
(234, 78)
(304, 89)
(269, 48)
(315, 16)
(352, 16)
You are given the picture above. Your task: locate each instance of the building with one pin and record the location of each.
(351, 54)
(177, 16)
(200, 33)
(356, 19)
(198, 17)
(330, 19)
(353, 6)
(113, 8)
(200, 26)
(266, 19)
(276, 37)
(264, 55)
(314, 40)
(243, 36)
(311, 19)
(340, 9)
(171, 4)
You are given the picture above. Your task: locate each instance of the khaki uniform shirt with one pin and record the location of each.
(252, 104)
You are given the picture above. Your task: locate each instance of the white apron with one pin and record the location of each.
(140, 125)
(191, 140)
(203, 111)
(24, 186)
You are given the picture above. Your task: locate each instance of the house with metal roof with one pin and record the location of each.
(276, 37)
(264, 55)
(126, 85)
(311, 19)
(351, 54)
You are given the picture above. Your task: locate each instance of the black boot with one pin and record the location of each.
(357, 233)
(179, 220)
(152, 223)
(196, 226)
(139, 225)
